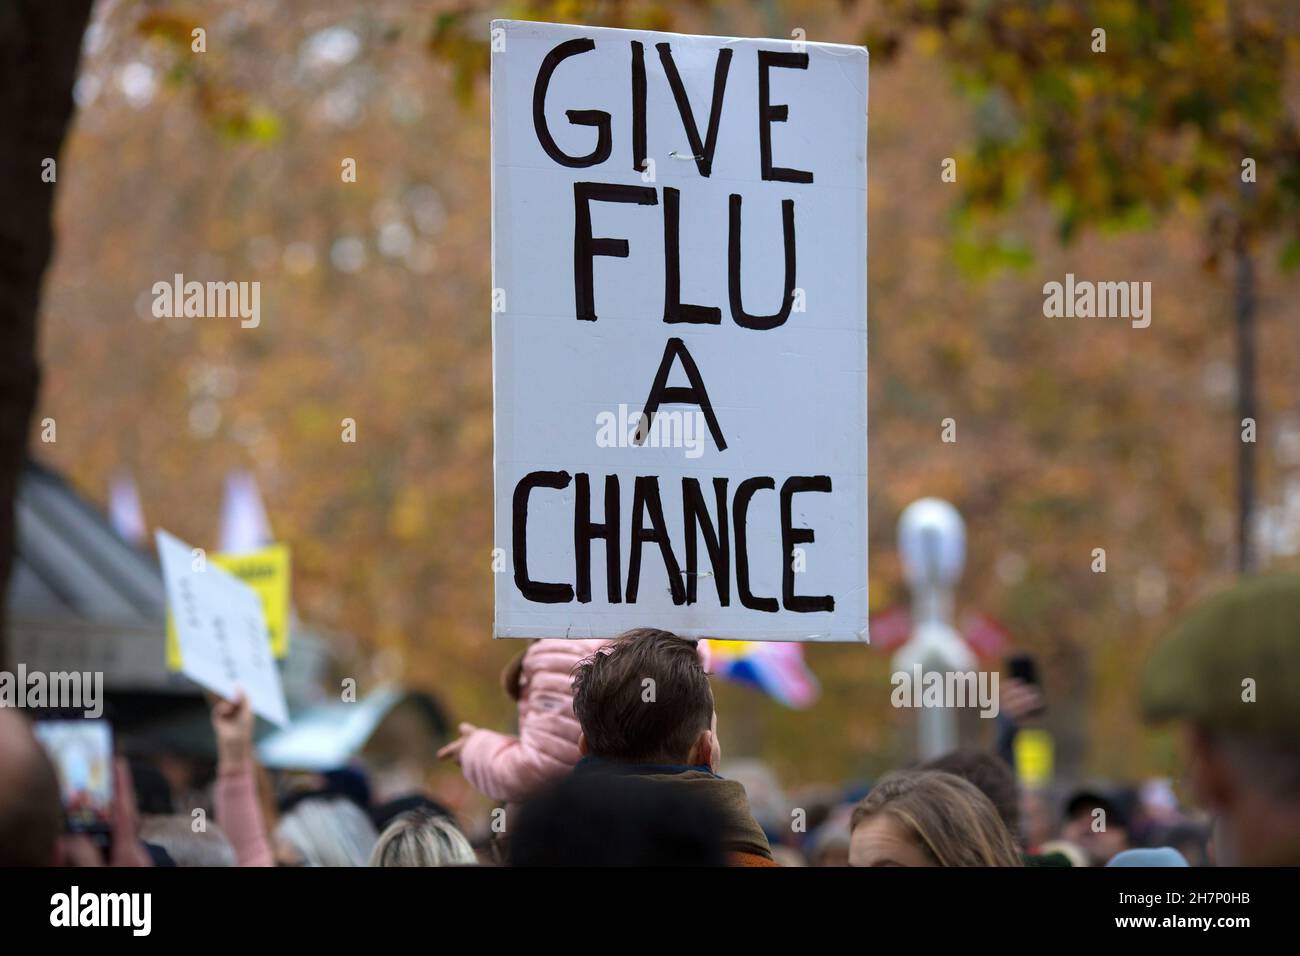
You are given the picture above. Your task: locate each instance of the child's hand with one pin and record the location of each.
(453, 749)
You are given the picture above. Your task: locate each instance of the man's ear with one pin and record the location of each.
(1211, 777)
(582, 744)
(701, 753)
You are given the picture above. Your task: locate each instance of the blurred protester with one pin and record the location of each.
(767, 799)
(817, 801)
(1190, 838)
(511, 769)
(994, 778)
(1097, 822)
(990, 775)
(646, 708)
(929, 818)
(324, 831)
(1061, 853)
(828, 845)
(1148, 856)
(33, 828)
(625, 821)
(183, 845)
(1037, 819)
(31, 816)
(153, 794)
(1019, 703)
(234, 797)
(348, 782)
(421, 838)
(1230, 674)
(784, 855)
(1158, 805)
(384, 814)
(540, 680)
(1212, 846)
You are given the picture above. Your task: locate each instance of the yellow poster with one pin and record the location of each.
(266, 572)
(1034, 757)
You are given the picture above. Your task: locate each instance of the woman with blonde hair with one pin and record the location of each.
(421, 838)
(929, 818)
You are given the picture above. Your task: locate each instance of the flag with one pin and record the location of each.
(892, 629)
(775, 667)
(124, 511)
(244, 525)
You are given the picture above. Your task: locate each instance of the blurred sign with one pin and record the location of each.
(266, 571)
(679, 339)
(891, 629)
(221, 630)
(1034, 753)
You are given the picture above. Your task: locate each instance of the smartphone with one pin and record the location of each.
(1024, 668)
(82, 753)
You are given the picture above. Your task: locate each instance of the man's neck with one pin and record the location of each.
(1265, 833)
(641, 766)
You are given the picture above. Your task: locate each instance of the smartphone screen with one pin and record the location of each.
(1024, 668)
(82, 754)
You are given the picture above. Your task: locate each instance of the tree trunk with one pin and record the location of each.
(1244, 307)
(40, 41)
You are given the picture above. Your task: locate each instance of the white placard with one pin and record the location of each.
(221, 629)
(679, 227)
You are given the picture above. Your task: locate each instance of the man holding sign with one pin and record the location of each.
(679, 231)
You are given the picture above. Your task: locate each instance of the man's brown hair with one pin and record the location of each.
(623, 717)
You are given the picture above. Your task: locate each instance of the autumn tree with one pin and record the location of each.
(230, 164)
(1116, 113)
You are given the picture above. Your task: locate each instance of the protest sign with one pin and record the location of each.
(679, 334)
(1035, 756)
(220, 629)
(266, 571)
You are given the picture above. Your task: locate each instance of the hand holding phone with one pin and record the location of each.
(1022, 698)
(82, 753)
(97, 793)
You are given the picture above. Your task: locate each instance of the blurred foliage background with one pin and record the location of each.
(1071, 434)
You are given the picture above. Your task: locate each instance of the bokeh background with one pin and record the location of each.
(1071, 434)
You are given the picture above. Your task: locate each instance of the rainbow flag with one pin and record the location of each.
(776, 668)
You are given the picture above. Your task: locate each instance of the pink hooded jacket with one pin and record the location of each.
(514, 768)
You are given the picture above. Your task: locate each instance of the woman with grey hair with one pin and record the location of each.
(324, 831)
(185, 845)
(421, 838)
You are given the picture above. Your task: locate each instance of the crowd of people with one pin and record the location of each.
(618, 760)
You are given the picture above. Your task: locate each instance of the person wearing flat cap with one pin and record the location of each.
(1229, 674)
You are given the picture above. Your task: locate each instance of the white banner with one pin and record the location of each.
(221, 629)
(679, 334)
